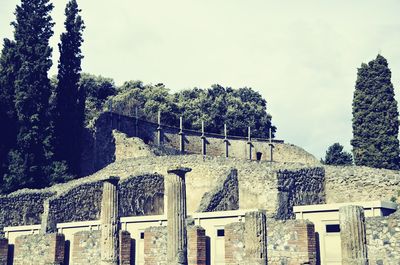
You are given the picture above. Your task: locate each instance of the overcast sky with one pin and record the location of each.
(302, 56)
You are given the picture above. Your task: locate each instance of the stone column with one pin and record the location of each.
(352, 235)
(109, 222)
(255, 238)
(176, 215)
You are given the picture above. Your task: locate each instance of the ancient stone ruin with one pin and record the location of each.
(159, 195)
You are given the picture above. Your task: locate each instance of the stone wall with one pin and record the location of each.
(23, 207)
(197, 254)
(155, 246)
(223, 197)
(291, 242)
(40, 249)
(299, 187)
(103, 147)
(356, 183)
(86, 248)
(81, 203)
(383, 239)
(141, 195)
(3, 251)
(234, 244)
(126, 253)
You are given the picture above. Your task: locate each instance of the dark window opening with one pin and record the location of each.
(259, 155)
(332, 228)
(141, 235)
(220, 232)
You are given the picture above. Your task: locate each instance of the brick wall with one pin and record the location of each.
(125, 246)
(234, 244)
(86, 248)
(39, 249)
(155, 246)
(196, 245)
(3, 251)
(291, 242)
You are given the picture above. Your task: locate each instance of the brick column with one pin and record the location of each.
(176, 215)
(124, 248)
(234, 244)
(352, 235)
(3, 251)
(109, 222)
(196, 245)
(255, 238)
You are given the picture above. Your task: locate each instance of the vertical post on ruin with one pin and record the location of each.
(271, 145)
(136, 122)
(109, 222)
(352, 235)
(203, 141)
(181, 136)
(249, 143)
(226, 141)
(159, 129)
(176, 215)
(255, 238)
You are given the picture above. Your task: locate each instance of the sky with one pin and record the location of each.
(302, 56)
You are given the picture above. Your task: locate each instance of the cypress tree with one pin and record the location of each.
(336, 156)
(69, 114)
(29, 160)
(375, 117)
(9, 64)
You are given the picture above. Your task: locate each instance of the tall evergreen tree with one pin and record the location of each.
(375, 117)
(69, 114)
(9, 64)
(29, 160)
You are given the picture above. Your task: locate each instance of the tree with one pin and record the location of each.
(9, 62)
(96, 90)
(336, 156)
(29, 160)
(375, 117)
(68, 114)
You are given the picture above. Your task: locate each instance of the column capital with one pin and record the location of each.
(178, 170)
(112, 179)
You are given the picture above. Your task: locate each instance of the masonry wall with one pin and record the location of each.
(81, 203)
(383, 239)
(22, 208)
(357, 183)
(101, 148)
(291, 242)
(3, 251)
(86, 248)
(41, 249)
(155, 246)
(141, 195)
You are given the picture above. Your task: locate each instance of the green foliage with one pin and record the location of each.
(375, 117)
(9, 62)
(238, 108)
(336, 156)
(33, 29)
(97, 90)
(215, 106)
(68, 114)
